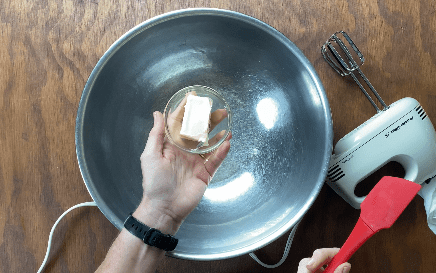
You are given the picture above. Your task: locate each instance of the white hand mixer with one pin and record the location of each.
(401, 132)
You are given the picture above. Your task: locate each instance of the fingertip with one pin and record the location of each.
(160, 116)
(321, 257)
(317, 259)
(157, 114)
(217, 158)
(343, 268)
(225, 148)
(154, 118)
(311, 264)
(218, 115)
(230, 135)
(158, 120)
(223, 112)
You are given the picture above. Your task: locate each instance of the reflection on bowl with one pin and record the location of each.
(219, 125)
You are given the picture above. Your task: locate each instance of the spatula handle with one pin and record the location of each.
(357, 238)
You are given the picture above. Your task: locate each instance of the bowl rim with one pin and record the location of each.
(319, 90)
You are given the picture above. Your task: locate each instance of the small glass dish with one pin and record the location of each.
(219, 123)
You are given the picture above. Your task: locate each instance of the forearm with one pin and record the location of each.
(128, 253)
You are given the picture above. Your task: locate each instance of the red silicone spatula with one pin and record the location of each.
(380, 209)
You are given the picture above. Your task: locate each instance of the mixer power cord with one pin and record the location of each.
(85, 204)
(285, 253)
(93, 204)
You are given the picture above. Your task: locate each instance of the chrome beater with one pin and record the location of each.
(336, 59)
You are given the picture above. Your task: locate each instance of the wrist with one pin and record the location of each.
(155, 217)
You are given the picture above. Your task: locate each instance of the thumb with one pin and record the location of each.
(343, 268)
(156, 136)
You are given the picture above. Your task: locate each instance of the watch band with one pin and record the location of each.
(150, 236)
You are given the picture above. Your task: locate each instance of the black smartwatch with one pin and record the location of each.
(150, 236)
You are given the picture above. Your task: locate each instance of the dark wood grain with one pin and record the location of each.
(49, 48)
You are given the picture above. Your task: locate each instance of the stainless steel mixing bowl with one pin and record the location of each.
(282, 127)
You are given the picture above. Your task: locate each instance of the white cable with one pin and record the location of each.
(86, 204)
(90, 204)
(285, 253)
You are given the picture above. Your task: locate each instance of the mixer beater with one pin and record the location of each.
(336, 60)
(400, 132)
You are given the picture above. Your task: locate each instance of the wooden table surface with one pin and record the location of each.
(49, 48)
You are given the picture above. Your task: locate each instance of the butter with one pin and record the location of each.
(195, 124)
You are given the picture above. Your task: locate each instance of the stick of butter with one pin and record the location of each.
(195, 124)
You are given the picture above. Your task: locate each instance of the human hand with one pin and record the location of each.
(175, 120)
(174, 181)
(320, 258)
